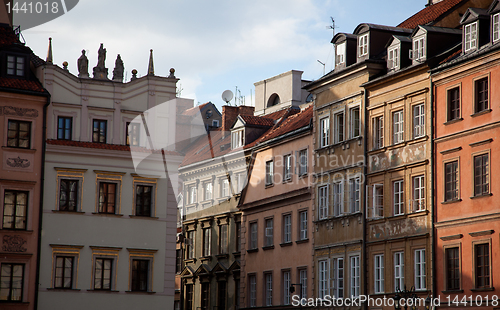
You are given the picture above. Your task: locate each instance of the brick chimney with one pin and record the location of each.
(229, 115)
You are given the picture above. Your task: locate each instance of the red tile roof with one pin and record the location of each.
(452, 56)
(7, 36)
(292, 123)
(429, 14)
(115, 147)
(257, 120)
(21, 84)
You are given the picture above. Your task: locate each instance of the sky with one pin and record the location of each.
(213, 45)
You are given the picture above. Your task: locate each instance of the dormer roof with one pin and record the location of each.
(402, 39)
(432, 29)
(494, 7)
(364, 27)
(342, 37)
(473, 14)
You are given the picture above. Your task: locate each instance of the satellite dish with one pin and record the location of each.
(227, 95)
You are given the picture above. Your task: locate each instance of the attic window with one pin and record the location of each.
(363, 45)
(470, 37)
(15, 65)
(496, 27)
(237, 139)
(273, 100)
(393, 58)
(419, 49)
(340, 53)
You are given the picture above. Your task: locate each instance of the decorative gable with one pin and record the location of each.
(475, 24)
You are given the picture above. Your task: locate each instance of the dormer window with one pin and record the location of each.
(363, 45)
(470, 37)
(393, 58)
(340, 54)
(419, 48)
(237, 138)
(15, 65)
(496, 27)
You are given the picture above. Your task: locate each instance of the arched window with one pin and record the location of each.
(273, 100)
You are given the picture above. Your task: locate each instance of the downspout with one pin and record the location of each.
(433, 201)
(42, 179)
(365, 171)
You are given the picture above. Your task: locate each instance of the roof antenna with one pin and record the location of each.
(332, 26)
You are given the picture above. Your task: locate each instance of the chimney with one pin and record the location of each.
(229, 115)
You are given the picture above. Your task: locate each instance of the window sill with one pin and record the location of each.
(453, 121)
(481, 196)
(286, 244)
(301, 241)
(418, 213)
(16, 230)
(140, 292)
(16, 149)
(452, 291)
(481, 113)
(269, 185)
(418, 140)
(206, 258)
(221, 256)
(378, 150)
(190, 260)
(236, 254)
(451, 201)
(68, 212)
(303, 175)
(63, 289)
(107, 214)
(144, 217)
(484, 289)
(288, 180)
(252, 250)
(103, 291)
(269, 247)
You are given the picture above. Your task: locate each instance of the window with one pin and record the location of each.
(63, 277)
(12, 283)
(340, 53)
(107, 197)
(470, 37)
(241, 181)
(418, 194)
(64, 128)
(253, 235)
(393, 58)
(398, 127)
(339, 127)
(238, 236)
(205, 296)
(338, 277)
(192, 198)
(140, 273)
(178, 261)
(286, 287)
(215, 123)
(355, 122)
(190, 245)
(363, 45)
(223, 239)
(208, 190)
(451, 181)
(398, 197)
(354, 195)
(399, 269)
(481, 175)
(269, 172)
(378, 132)
(303, 282)
(481, 94)
(420, 270)
(237, 139)
(324, 138)
(99, 131)
(453, 103)
(303, 225)
(419, 49)
(418, 121)
(143, 201)
(224, 188)
(323, 202)
(375, 209)
(452, 268)
(302, 162)
(102, 274)
(324, 278)
(68, 195)
(338, 198)
(496, 27)
(269, 288)
(15, 207)
(221, 294)
(15, 65)
(207, 234)
(379, 273)
(252, 287)
(287, 168)
(269, 235)
(287, 228)
(482, 265)
(189, 296)
(354, 276)
(132, 134)
(19, 134)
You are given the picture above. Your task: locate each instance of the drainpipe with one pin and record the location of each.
(434, 199)
(365, 171)
(42, 179)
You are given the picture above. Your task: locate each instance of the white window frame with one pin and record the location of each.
(287, 167)
(398, 127)
(287, 228)
(269, 232)
(303, 225)
(353, 122)
(420, 276)
(378, 267)
(363, 45)
(354, 195)
(340, 53)
(302, 162)
(354, 276)
(253, 290)
(303, 282)
(376, 210)
(324, 132)
(269, 172)
(496, 27)
(339, 127)
(224, 188)
(268, 278)
(323, 278)
(254, 235)
(418, 203)
(237, 138)
(208, 190)
(207, 241)
(338, 277)
(193, 194)
(419, 48)
(378, 132)
(286, 287)
(338, 198)
(393, 58)
(399, 270)
(418, 121)
(470, 36)
(398, 197)
(323, 193)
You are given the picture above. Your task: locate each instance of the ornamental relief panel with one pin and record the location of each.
(13, 243)
(15, 111)
(18, 161)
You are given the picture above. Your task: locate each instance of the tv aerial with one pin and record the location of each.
(227, 96)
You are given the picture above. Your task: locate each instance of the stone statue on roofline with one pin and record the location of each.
(119, 68)
(100, 71)
(83, 66)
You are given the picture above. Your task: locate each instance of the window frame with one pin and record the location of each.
(495, 33)
(419, 48)
(11, 276)
(16, 66)
(470, 36)
(338, 197)
(207, 241)
(190, 249)
(65, 131)
(252, 290)
(485, 104)
(287, 167)
(355, 192)
(100, 135)
(340, 53)
(363, 44)
(420, 189)
(303, 233)
(287, 280)
(378, 132)
(142, 255)
(339, 126)
(268, 288)
(476, 244)
(393, 57)
(24, 217)
(378, 268)
(398, 206)
(254, 235)
(323, 200)
(302, 162)
(135, 138)
(324, 132)
(100, 209)
(450, 161)
(338, 277)
(95, 279)
(488, 174)
(418, 129)
(208, 190)
(420, 277)
(71, 272)
(269, 172)
(323, 278)
(223, 239)
(17, 138)
(453, 104)
(447, 276)
(398, 127)
(269, 232)
(68, 194)
(237, 138)
(302, 274)
(142, 210)
(355, 125)
(399, 270)
(287, 228)
(354, 275)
